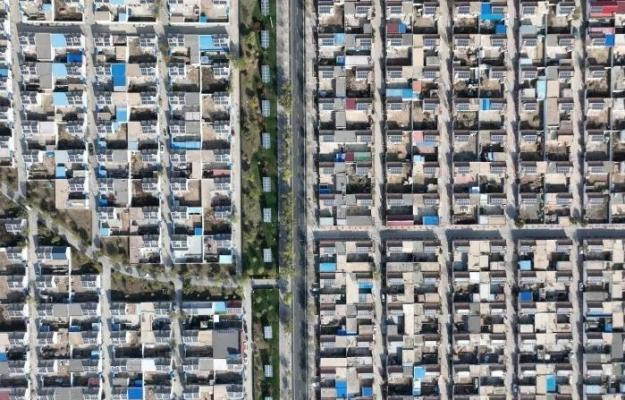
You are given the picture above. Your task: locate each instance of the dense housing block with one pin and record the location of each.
(346, 319)
(413, 308)
(412, 75)
(345, 107)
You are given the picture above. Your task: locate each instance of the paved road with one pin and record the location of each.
(17, 99)
(32, 305)
(92, 131)
(105, 319)
(163, 121)
(298, 118)
(105, 279)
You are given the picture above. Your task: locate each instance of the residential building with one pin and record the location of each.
(213, 342)
(346, 320)
(413, 325)
(200, 127)
(545, 337)
(479, 85)
(412, 105)
(602, 285)
(127, 146)
(478, 318)
(345, 107)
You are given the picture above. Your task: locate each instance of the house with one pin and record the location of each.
(346, 318)
(478, 313)
(412, 312)
(545, 330)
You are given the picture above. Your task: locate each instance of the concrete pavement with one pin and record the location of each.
(378, 56)
(306, 305)
(444, 188)
(105, 321)
(33, 329)
(298, 54)
(285, 25)
(17, 97)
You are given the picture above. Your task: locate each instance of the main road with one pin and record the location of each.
(299, 284)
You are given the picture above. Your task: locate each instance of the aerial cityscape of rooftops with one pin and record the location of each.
(312, 199)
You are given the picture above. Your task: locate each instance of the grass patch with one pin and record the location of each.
(128, 288)
(83, 264)
(257, 162)
(210, 293)
(46, 236)
(265, 312)
(8, 175)
(116, 248)
(11, 209)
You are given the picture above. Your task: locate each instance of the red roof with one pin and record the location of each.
(400, 222)
(417, 136)
(416, 86)
(221, 172)
(349, 156)
(392, 27)
(602, 29)
(350, 104)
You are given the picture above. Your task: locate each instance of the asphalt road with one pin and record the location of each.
(299, 285)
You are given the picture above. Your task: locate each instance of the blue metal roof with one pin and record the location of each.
(485, 104)
(609, 40)
(341, 389)
(59, 70)
(194, 145)
(60, 172)
(486, 13)
(552, 384)
(525, 265)
(365, 285)
(541, 88)
(135, 393)
(404, 93)
(74, 58)
(418, 373)
(121, 114)
(58, 40)
(219, 306)
(118, 71)
(430, 220)
(225, 259)
(526, 297)
(206, 42)
(327, 267)
(60, 99)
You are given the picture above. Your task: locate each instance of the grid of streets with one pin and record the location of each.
(467, 230)
(456, 171)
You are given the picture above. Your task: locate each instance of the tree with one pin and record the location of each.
(286, 96)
